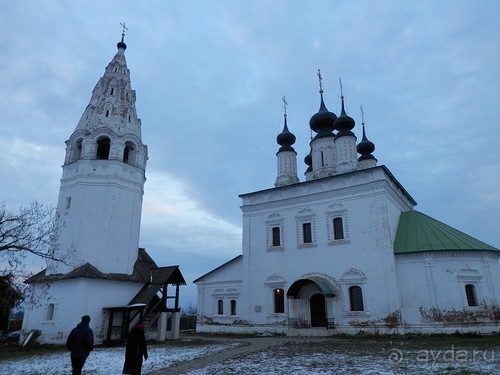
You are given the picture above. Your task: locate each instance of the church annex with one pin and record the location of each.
(345, 251)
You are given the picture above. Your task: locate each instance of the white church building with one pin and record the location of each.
(345, 251)
(104, 274)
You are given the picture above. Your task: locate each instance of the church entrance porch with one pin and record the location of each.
(311, 304)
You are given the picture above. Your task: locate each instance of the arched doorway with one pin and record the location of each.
(310, 303)
(318, 311)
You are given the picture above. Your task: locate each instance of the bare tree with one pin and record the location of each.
(30, 231)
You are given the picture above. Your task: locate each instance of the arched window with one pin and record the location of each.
(220, 307)
(233, 307)
(50, 312)
(279, 301)
(338, 229)
(356, 298)
(470, 292)
(103, 146)
(129, 153)
(77, 151)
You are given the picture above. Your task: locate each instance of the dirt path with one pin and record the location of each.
(247, 346)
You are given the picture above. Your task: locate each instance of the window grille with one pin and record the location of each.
(356, 298)
(276, 237)
(306, 233)
(338, 229)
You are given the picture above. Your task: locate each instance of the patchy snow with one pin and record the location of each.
(106, 361)
(278, 363)
(283, 359)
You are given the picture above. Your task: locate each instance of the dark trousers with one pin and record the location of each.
(77, 364)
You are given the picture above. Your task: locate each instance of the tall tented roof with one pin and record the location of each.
(112, 104)
(418, 232)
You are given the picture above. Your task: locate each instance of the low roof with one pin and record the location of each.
(141, 272)
(218, 268)
(418, 232)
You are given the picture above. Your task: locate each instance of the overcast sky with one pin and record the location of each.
(209, 77)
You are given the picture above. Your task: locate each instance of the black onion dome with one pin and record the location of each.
(365, 148)
(308, 159)
(344, 123)
(323, 120)
(285, 138)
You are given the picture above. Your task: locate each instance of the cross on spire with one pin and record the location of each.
(362, 116)
(284, 103)
(123, 31)
(320, 82)
(341, 89)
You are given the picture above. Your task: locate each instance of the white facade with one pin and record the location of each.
(320, 257)
(99, 215)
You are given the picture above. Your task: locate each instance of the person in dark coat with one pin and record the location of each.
(80, 342)
(136, 349)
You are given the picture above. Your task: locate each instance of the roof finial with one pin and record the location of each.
(123, 31)
(341, 89)
(320, 82)
(362, 116)
(284, 103)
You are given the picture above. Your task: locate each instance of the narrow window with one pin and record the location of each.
(470, 292)
(276, 237)
(128, 118)
(322, 159)
(306, 233)
(107, 112)
(338, 229)
(356, 298)
(129, 154)
(126, 151)
(279, 301)
(50, 312)
(233, 307)
(220, 307)
(77, 151)
(112, 90)
(103, 146)
(68, 202)
(126, 95)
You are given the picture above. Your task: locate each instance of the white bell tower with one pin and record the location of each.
(102, 185)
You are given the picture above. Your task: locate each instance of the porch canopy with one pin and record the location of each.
(146, 301)
(294, 290)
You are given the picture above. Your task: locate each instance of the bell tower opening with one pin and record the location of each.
(103, 147)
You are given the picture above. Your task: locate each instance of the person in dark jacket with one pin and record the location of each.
(136, 349)
(80, 342)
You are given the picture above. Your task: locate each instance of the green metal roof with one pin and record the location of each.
(418, 232)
